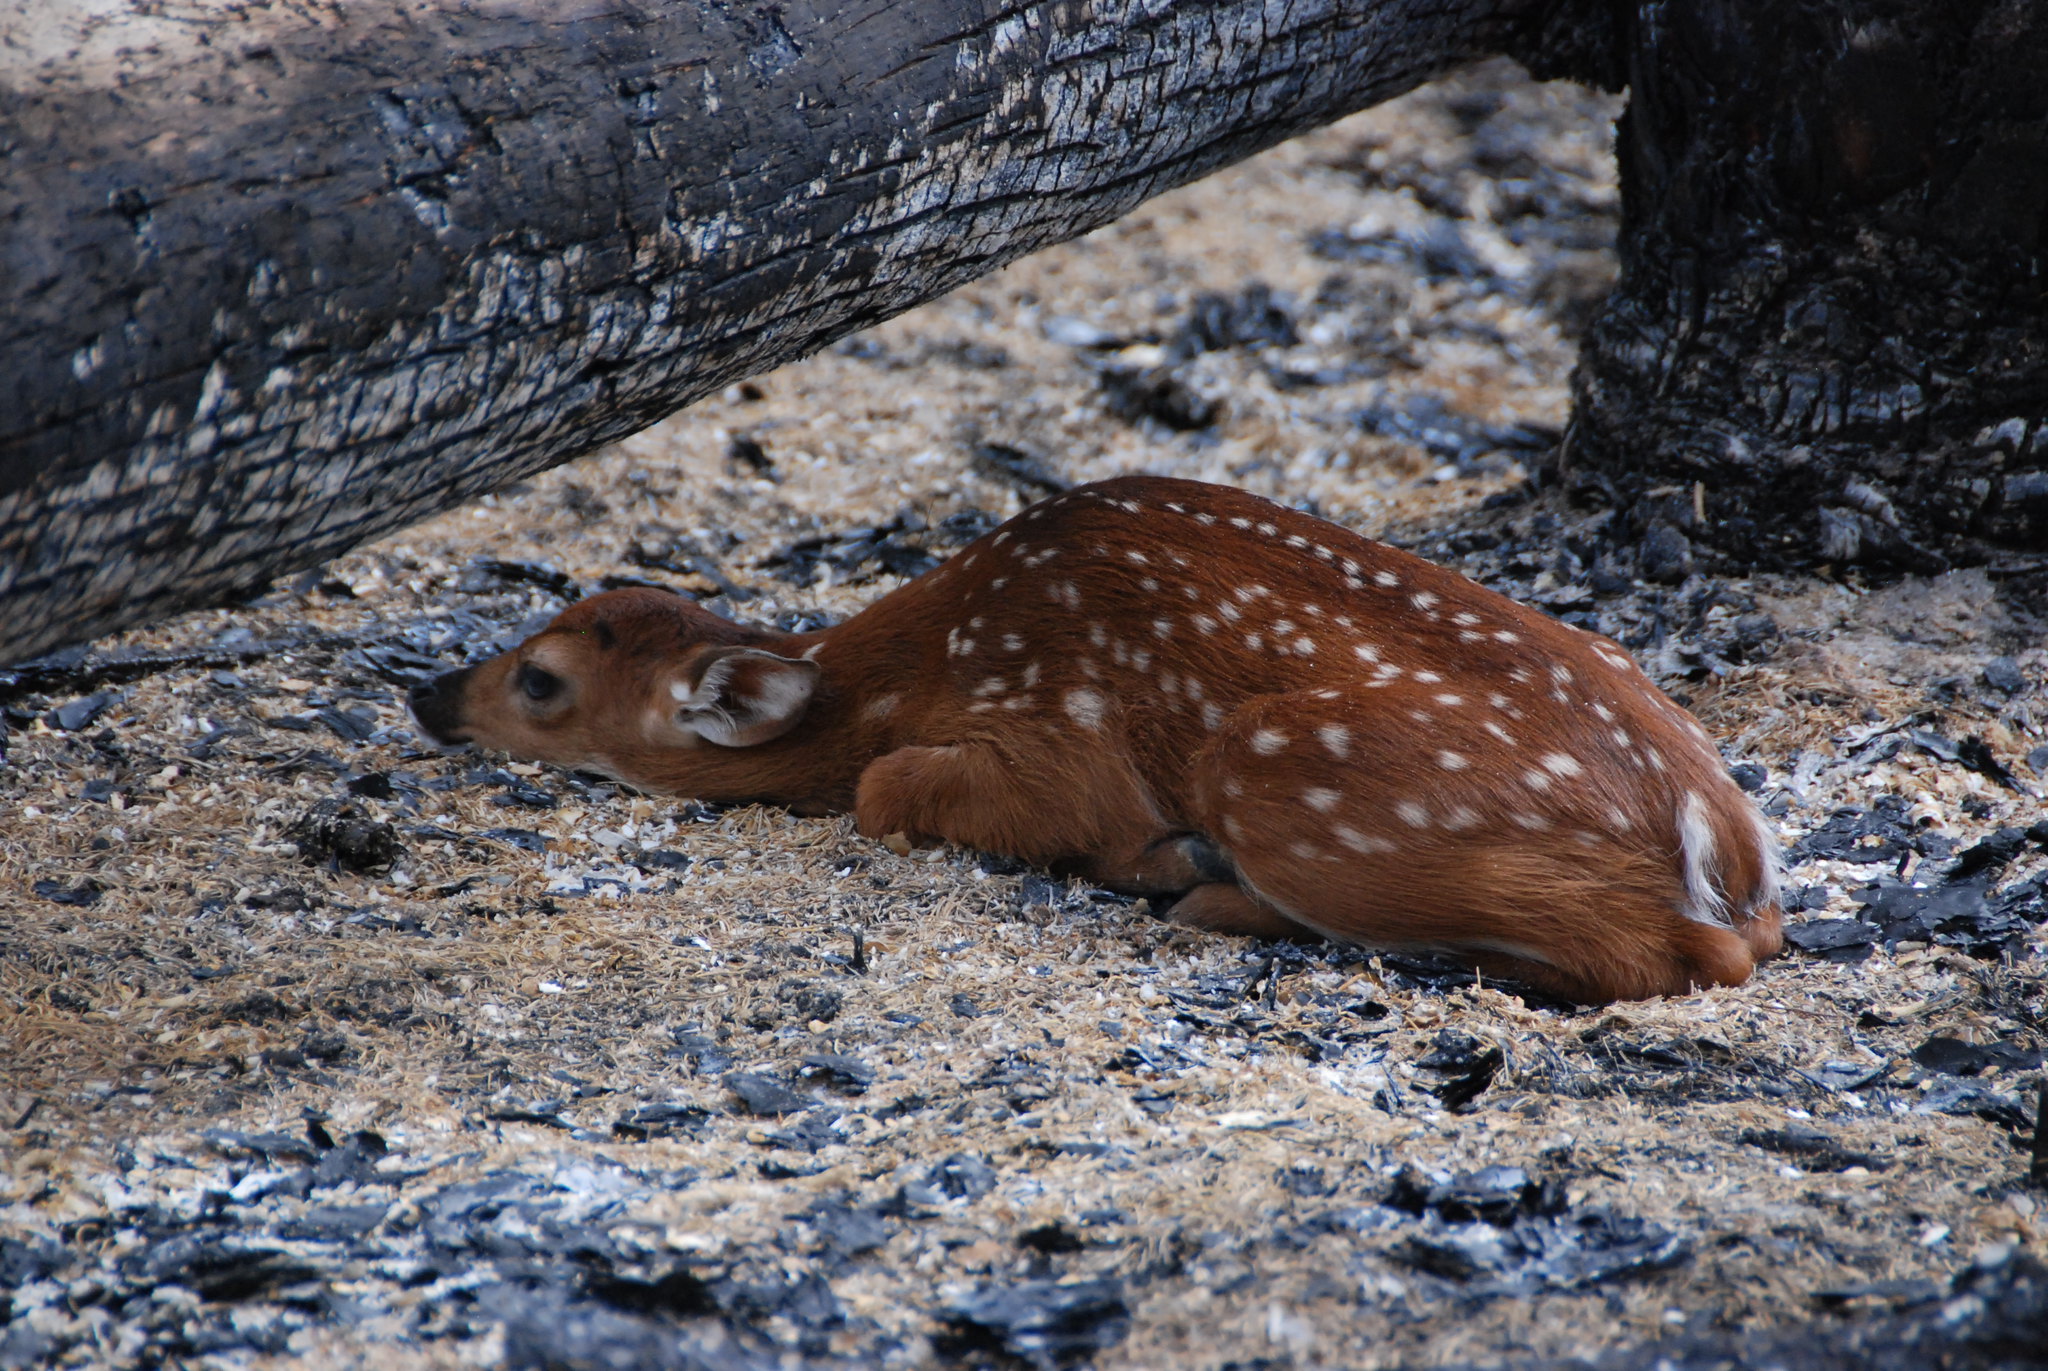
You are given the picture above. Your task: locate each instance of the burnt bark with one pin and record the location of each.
(277, 279)
(1829, 344)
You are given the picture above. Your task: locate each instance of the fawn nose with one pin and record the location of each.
(437, 705)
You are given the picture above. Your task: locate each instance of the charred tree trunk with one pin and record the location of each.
(1830, 340)
(274, 281)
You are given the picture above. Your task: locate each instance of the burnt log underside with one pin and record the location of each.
(278, 280)
(1830, 340)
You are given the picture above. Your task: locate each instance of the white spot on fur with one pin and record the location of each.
(1360, 842)
(1562, 764)
(881, 707)
(1507, 636)
(1450, 701)
(1536, 780)
(1085, 706)
(1465, 620)
(1137, 557)
(1320, 798)
(1337, 739)
(1427, 677)
(1162, 628)
(1452, 761)
(1382, 578)
(1031, 675)
(1460, 818)
(1366, 652)
(1212, 717)
(1268, 741)
(1535, 823)
(1204, 623)
(1012, 643)
(1412, 814)
(1423, 599)
(1497, 731)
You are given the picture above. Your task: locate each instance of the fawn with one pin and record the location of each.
(1185, 691)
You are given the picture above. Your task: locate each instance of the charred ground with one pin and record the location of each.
(322, 1044)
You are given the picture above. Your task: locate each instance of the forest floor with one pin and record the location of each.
(484, 1064)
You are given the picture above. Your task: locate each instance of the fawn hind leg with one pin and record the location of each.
(1226, 907)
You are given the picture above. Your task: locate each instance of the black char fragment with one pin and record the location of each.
(843, 1072)
(341, 832)
(1955, 1057)
(1815, 1150)
(763, 1094)
(82, 895)
(1043, 1323)
(660, 1120)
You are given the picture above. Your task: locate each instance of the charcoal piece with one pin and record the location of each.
(1305, 1181)
(1972, 753)
(1159, 394)
(805, 1300)
(74, 715)
(964, 1007)
(1425, 420)
(554, 582)
(371, 785)
(23, 1261)
(1043, 1323)
(545, 1330)
(267, 1147)
(82, 895)
(816, 1002)
(1018, 467)
(1549, 1251)
(520, 793)
(1992, 854)
(221, 1268)
(1955, 1095)
(1493, 1194)
(653, 859)
(1750, 776)
(1053, 1239)
(1836, 940)
(2003, 674)
(847, 1230)
(961, 1176)
(1954, 1057)
(340, 832)
(703, 1053)
(1881, 833)
(746, 450)
(525, 839)
(1461, 1090)
(396, 663)
(349, 725)
(334, 1222)
(2038, 760)
(1664, 555)
(674, 1294)
(546, 1113)
(660, 1121)
(810, 1133)
(1815, 1150)
(1255, 317)
(1960, 914)
(841, 1071)
(1900, 1294)
(763, 1094)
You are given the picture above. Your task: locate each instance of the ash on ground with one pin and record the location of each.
(326, 1046)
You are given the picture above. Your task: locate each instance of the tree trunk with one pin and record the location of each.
(1828, 342)
(278, 280)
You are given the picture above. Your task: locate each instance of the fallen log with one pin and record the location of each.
(278, 279)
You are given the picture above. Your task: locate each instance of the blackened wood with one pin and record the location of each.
(1829, 344)
(276, 279)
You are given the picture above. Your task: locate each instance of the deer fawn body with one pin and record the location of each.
(1185, 691)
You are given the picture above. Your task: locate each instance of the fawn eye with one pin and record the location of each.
(538, 684)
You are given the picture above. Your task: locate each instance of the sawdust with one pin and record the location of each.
(557, 980)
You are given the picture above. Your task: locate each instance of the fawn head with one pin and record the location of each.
(619, 679)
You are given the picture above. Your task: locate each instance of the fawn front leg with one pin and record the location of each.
(1094, 822)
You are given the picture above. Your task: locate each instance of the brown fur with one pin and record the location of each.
(1186, 691)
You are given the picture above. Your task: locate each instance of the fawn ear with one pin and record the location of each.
(740, 696)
